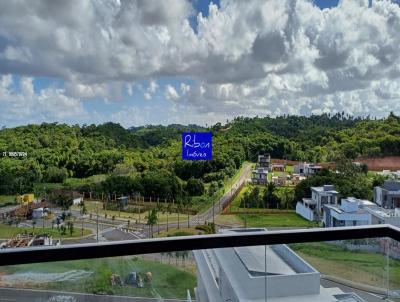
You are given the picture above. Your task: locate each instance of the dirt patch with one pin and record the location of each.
(381, 163)
(284, 162)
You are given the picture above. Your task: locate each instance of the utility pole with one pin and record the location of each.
(139, 209)
(245, 215)
(97, 220)
(213, 209)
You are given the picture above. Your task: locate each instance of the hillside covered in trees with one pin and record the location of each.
(147, 159)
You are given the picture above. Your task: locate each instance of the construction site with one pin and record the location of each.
(25, 240)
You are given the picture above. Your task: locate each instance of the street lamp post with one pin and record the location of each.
(97, 220)
(213, 209)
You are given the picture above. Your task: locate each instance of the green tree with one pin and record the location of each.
(152, 220)
(195, 187)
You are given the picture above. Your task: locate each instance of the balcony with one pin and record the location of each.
(332, 264)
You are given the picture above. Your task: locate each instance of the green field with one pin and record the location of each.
(361, 267)
(7, 231)
(289, 169)
(6, 200)
(168, 281)
(175, 232)
(276, 220)
(94, 206)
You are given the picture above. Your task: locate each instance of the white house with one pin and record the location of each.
(350, 212)
(353, 211)
(307, 168)
(313, 208)
(384, 216)
(246, 274)
(388, 195)
(259, 176)
(264, 161)
(307, 208)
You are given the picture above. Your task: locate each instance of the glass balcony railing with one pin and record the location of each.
(339, 264)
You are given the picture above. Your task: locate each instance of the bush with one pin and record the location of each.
(195, 187)
(54, 174)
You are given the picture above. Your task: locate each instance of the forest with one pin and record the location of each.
(147, 160)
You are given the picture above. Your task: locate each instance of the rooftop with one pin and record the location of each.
(326, 189)
(391, 185)
(253, 258)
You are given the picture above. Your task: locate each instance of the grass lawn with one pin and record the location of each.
(7, 231)
(229, 220)
(168, 281)
(289, 169)
(236, 202)
(7, 200)
(356, 266)
(173, 232)
(276, 220)
(91, 206)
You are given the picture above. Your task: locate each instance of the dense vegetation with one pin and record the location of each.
(146, 159)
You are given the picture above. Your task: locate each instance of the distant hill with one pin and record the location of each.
(58, 151)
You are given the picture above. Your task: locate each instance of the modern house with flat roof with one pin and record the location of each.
(351, 212)
(384, 216)
(259, 176)
(312, 209)
(264, 160)
(388, 195)
(306, 208)
(254, 273)
(306, 168)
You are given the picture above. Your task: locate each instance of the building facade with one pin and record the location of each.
(259, 176)
(388, 195)
(351, 212)
(312, 209)
(264, 161)
(255, 273)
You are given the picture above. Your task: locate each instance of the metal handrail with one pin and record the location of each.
(13, 256)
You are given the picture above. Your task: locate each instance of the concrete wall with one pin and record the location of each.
(294, 260)
(207, 289)
(304, 212)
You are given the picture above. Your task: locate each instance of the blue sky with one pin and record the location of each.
(141, 64)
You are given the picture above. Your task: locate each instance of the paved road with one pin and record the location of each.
(142, 230)
(210, 212)
(27, 295)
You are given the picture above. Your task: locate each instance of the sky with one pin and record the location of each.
(178, 61)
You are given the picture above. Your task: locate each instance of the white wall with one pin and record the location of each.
(304, 212)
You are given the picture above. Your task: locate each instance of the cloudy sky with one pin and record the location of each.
(177, 61)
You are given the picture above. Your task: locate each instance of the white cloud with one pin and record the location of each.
(153, 86)
(130, 116)
(27, 106)
(147, 96)
(129, 89)
(246, 57)
(170, 93)
(185, 88)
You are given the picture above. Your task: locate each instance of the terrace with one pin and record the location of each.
(273, 265)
